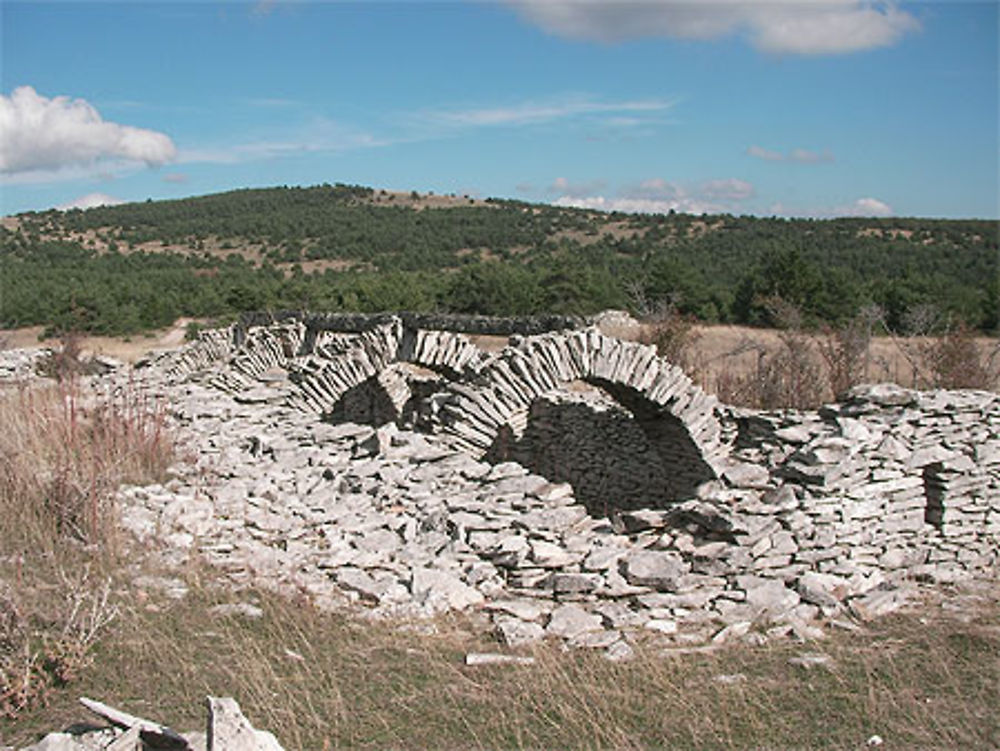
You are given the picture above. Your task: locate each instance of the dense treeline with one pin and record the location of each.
(502, 257)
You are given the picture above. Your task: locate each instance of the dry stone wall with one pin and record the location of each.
(893, 479)
(570, 486)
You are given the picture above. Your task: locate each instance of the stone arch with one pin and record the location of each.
(632, 373)
(487, 400)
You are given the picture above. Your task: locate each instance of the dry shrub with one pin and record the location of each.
(63, 451)
(943, 353)
(33, 661)
(846, 351)
(954, 360)
(674, 336)
(788, 378)
(62, 454)
(66, 362)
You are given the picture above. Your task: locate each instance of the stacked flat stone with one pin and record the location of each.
(261, 350)
(323, 381)
(22, 363)
(210, 347)
(890, 481)
(444, 352)
(570, 486)
(533, 366)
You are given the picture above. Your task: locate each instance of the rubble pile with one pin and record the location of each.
(570, 487)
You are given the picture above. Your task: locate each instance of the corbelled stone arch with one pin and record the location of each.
(323, 381)
(664, 429)
(646, 417)
(365, 378)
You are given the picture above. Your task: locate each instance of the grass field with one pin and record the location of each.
(929, 678)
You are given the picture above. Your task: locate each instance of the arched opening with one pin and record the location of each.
(618, 450)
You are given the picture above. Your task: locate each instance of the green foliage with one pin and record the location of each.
(500, 257)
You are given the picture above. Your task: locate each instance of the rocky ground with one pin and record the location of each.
(394, 524)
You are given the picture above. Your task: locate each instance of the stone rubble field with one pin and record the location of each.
(775, 524)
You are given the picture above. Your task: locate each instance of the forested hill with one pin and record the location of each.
(125, 268)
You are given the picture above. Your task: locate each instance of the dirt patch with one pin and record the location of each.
(424, 200)
(127, 349)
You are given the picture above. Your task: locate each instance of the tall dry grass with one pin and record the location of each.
(63, 452)
(798, 367)
(323, 681)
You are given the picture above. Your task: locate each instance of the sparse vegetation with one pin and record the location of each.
(928, 679)
(68, 616)
(62, 452)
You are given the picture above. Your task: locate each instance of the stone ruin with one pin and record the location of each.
(568, 485)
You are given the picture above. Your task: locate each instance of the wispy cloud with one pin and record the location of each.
(729, 189)
(804, 156)
(90, 201)
(535, 112)
(798, 156)
(637, 205)
(563, 187)
(175, 178)
(318, 136)
(862, 207)
(766, 154)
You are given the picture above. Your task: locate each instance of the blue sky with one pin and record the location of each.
(810, 108)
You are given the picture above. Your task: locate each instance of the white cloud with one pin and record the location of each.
(531, 113)
(804, 156)
(638, 205)
(38, 134)
(564, 187)
(766, 154)
(865, 207)
(176, 178)
(799, 156)
(655, 189)
(659, 196)
(730, 189)
(828, 27)
(861, 207)
(805, 27)
(91, 200)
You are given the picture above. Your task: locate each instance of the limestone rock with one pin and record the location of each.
(770, 598)
(442, 591)
(474, 659)
(825, 590)
(229, 730)
(515, 633)
(568, 621)
(653, 568)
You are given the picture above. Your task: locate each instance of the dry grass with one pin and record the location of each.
(792, 367)
(62, 453)
(922, 680)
